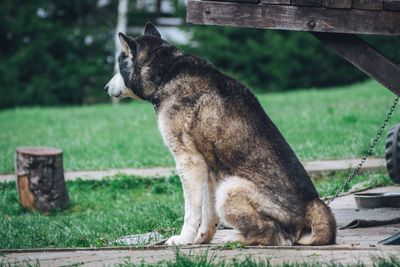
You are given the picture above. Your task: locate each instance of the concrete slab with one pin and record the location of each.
(319, 166)
(312, 167)
(100, 174)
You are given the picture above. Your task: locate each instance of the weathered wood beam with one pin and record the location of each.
(307, 2)
(298, 18)
(368, 4)
(276, 2)
(337, 3)
(364, 57)
(241, 1)
(391, 5)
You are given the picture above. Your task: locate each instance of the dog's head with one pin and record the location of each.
(141, 65)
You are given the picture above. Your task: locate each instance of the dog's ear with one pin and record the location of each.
(150, 29)
(128, 45)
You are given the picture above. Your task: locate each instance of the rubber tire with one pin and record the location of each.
(392, 153)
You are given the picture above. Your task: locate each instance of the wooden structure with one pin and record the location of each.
(333, 22)
(40, 178)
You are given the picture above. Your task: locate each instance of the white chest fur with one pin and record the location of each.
(163, 122)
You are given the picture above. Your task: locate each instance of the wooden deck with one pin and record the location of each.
(353, 245)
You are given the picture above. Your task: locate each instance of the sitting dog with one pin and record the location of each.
(234, 164)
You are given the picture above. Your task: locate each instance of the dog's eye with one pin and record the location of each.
(121, 56)
(133, 53)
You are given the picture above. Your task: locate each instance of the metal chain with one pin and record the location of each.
(367, 154)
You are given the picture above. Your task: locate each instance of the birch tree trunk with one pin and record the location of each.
(122, 23)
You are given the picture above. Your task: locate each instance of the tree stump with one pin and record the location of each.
(40, 178)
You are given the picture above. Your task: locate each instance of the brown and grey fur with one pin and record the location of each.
(233, 162)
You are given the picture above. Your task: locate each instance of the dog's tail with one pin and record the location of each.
(320, 219)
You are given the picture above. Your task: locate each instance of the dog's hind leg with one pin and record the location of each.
(240, 205)
(193, 172)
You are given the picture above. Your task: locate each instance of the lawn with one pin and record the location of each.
(210, 259)
(318, 124)
(99, 212)
(103, 211)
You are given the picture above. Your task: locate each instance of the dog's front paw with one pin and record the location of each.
(178, 240)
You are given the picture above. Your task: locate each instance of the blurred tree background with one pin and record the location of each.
(62, 52)
(54, 52)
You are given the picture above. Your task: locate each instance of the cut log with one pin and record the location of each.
(40, 179)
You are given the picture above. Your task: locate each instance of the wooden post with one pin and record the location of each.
(40, 178)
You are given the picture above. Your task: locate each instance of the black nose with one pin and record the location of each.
(106, 88)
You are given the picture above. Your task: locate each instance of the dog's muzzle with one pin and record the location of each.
(113, 95)
(116, 87)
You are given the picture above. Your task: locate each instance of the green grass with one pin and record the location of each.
(100, 212)
(103, 211)
(319, 124)
(329, 184)
(211, 260)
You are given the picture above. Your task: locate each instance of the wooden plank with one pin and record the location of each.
(337, 3)
(276, 2)
(307, 2)
(240, 1)
(348, 252)
(391, 5)
(368, 4)
(365, 58)
(293, 17)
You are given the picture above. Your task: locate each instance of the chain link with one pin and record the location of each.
(367, 154)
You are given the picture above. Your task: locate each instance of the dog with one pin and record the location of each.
(234, 164)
